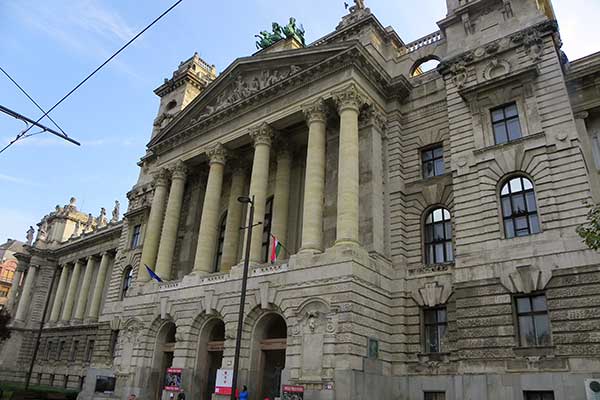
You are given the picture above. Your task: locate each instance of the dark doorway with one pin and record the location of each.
(165, 350)
(273, 345)
(215, 356)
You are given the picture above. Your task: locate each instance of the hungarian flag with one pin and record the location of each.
(275, 249)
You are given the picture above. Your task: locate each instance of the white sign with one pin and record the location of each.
(224, 381)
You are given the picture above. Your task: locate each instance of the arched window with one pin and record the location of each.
(438, 237)
(519, 209)
(171, 105)
(127, 281)
(266, 239)
(220, 242)
(424, 65)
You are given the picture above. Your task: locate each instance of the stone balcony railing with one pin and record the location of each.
(424, 41)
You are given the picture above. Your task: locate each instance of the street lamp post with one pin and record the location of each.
(238, 338)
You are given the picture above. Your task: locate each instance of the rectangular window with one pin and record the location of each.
(114, 338)
(435, 396)
(432, 162)
(73, 355)
(435, 324)
(3, 292)
(89, 351)
(505, 122)
(135, 236)
(533, 321)
(50, 350)
(539, 395)
(61, 348)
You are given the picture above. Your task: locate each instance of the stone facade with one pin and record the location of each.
(8, 266)
(428, 221)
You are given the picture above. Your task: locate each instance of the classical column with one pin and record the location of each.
(84, 292)
(207, 235)
(60, 294)
(349, 102)
(14, 288)
(234, 220)
(67, 311)
(258, 185)
(279, 223)
(314, 182)
(154, 225)
(26, 294)
(168, 237)
(94, 311)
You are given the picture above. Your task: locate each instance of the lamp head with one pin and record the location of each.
(244, 199)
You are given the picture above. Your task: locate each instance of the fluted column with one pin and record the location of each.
(60, 294)
(258, 185)
(23, 306)
(84, 292)
(234, 220)
(168, 237)
(94, 311)
(349, 102)
(279, 223)
(207, 235)
(14, 288)
(67, 312)
(154, 225)
(314, 182)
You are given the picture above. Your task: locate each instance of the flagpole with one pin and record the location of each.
(282, 245)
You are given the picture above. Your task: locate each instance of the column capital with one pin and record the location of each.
(161, 177)
(349, 98)
(217, 154)
(179, 170)
(373, 116)
(315, 111)
(582, 115)
(262, 134)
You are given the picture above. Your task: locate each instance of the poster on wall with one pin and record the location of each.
(105, 384)
(224, 381)
(173, 379)
(290, 392)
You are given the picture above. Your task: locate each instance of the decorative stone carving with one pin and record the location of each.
(496, 68)
(372, 116)
(76, 230)
(357, 12)
(161, 177)
(432, 294)
(217, 154)
(263, 134)
(102, 221)
(29, 235)
(88, 224)
(179, 171)
(115, 213)
(43, 230)
(507, 10)
(468, 24)
(315, 111)
(459, 74)
(525, 279)
(350, 97)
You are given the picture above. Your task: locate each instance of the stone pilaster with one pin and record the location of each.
(349, 102)
(94, 311)
(154, 225)
(67, 312)
(60, 294)
(27, 292)
(84, 292)
(168, 237)
(314, 184)
(234, 220)
(262, 137)
(279, 224)
(207, 235)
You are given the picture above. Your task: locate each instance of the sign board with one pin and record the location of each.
(290, 392)
(592, 389)
(105, 384)
(173, 379)
(224, 381)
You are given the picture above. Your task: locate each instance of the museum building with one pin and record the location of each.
(426, 221)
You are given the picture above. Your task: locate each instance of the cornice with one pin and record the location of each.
(111, 232)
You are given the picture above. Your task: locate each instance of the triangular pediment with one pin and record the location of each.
(248, 79)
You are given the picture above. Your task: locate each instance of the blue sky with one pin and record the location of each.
(50, 45)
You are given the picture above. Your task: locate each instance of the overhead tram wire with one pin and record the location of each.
(20, 135)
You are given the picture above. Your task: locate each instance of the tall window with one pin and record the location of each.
(438, 237)
(519, 209)
(505, 121)
(432, 161)
(127, 281)
(74, 348)
(220, 243)
(533, 321)
(435, 324)
(135, 236)
(61, 349)
(89, 351)
(266, 239)
(539, 395)
(114, 339)
(435, 396)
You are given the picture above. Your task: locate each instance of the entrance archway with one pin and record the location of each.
(210, 356)
(163, 355)
(269, 346)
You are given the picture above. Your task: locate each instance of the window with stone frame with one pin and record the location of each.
(61, 349)
(127, 281)
(435, 326)
(135, 236)
(114, 339)
(538, 395)
(50, 349)
(89, 351)
(519, 208)
(266, 238)
(438, 237)
(220, 243)
(533, 320)
(506, 124)
(74, 349)
(432, 161)
(434, 395)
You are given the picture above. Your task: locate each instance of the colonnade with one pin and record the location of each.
(163, 221)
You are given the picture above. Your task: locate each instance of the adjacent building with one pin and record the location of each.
(427, 218)
(8, 265)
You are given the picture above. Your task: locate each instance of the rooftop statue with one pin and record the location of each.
(267, 39)
(29, 235)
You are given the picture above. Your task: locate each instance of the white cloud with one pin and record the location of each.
(17, 180)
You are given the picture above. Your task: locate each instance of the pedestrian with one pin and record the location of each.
(244, 394)
(132, 397)
(181, 396)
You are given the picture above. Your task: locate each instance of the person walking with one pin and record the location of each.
(244, 393)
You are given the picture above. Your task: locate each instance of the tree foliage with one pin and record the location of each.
(4, 321)
(590, 231)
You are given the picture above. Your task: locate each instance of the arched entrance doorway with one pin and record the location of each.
(163, 356)
(269, 345)
(210, 356)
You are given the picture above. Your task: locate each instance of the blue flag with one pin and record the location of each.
(152, 274)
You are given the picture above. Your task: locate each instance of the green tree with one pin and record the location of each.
(590, 231)
(4, 321)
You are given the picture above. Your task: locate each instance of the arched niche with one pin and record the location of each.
(424, 65)
(209, 358)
